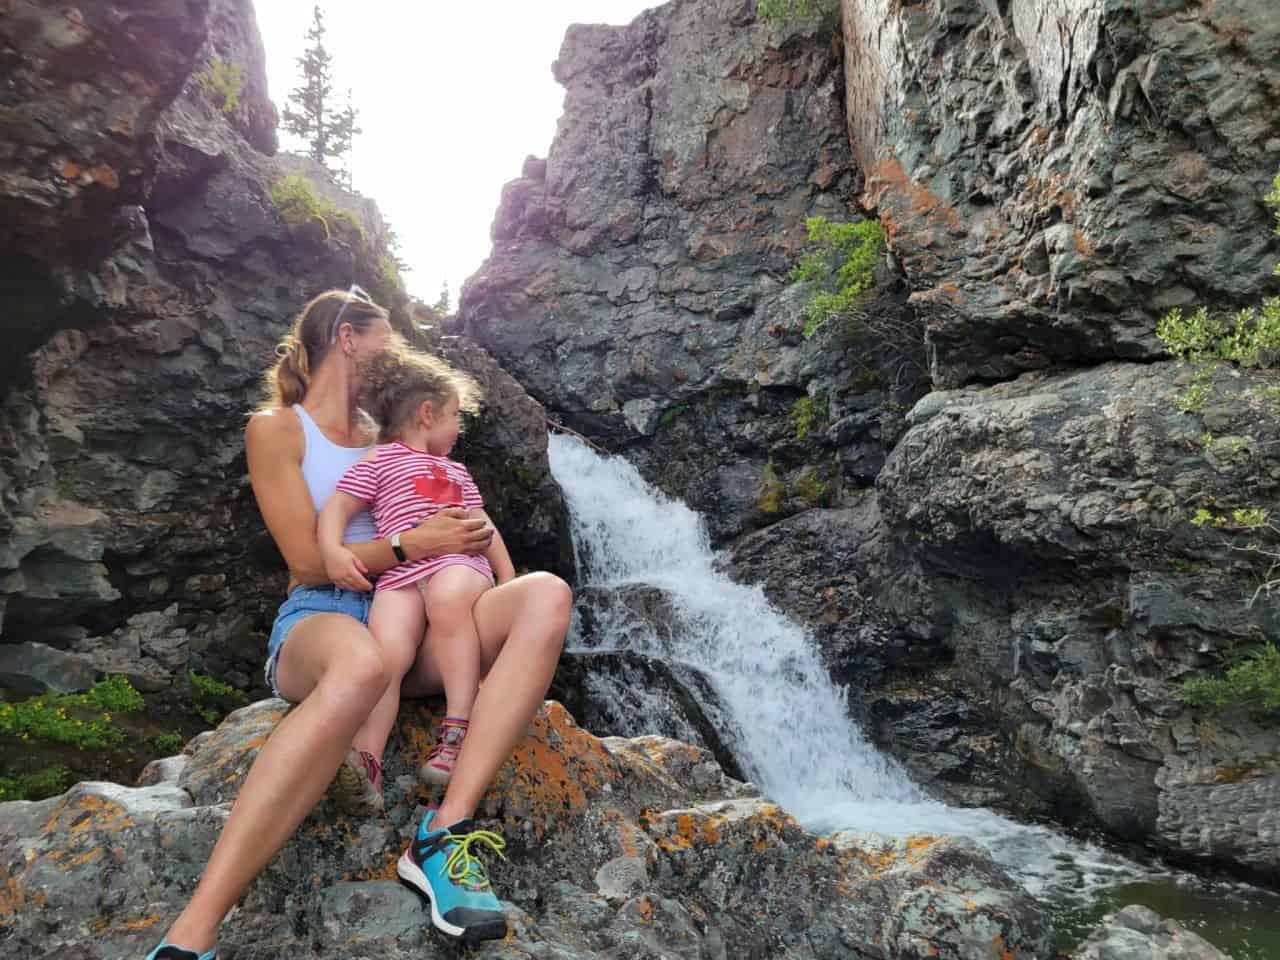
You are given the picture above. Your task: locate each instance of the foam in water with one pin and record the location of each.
(787, 722)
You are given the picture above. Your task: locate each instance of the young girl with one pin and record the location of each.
(416, 401)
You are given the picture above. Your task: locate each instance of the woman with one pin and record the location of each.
(322, 657)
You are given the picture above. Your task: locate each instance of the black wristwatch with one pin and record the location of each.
(397, 549)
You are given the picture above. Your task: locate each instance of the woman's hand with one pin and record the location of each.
(345, 570)
(451, 530)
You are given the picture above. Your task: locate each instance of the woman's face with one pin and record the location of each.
(360, 345)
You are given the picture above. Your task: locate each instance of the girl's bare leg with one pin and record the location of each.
(450, 596)
(332, 665)
(521, 626)
(397, 621)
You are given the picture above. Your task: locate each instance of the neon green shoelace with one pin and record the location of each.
(461, 866)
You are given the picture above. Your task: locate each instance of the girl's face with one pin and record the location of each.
(443, 428)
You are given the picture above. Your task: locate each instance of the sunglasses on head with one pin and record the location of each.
(356, 292)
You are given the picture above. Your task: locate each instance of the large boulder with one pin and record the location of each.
(1055, 174)
(636, 848)
(1052, 518)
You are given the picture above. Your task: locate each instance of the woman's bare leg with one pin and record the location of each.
(521, 626)
(397, 621)
(333, 666)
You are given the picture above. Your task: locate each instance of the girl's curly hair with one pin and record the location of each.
(395, 381)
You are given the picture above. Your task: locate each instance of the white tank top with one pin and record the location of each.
(323, 464)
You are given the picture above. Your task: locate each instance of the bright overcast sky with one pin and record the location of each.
(452, 97)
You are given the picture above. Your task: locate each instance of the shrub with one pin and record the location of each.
(838, 266)
(82, 720)
(222, 80)
(811, 488)
(168, 743)
(40, 785)
(296, 198)
(208, 692)
(1252, 681)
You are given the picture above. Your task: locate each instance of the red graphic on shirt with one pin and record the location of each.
(438, 488)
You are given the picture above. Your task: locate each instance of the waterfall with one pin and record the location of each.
(785, 720)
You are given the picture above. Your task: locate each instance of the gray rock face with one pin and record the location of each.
(1137, 933)
(1051, 517)
(615, 848)
(1055, 174)
(639, 286)
(148, 275)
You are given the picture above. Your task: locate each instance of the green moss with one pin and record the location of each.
(771, 492)
(40, 785)
(838, 267)
(809, 414)
(222, 82)
(810, 487)
(670, 414)
(298, 202)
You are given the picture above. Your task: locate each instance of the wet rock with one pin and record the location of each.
(1136, 933)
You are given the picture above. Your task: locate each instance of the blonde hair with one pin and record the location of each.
(307, 343)
(395, 381)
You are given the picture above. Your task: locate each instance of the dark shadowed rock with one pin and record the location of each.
(149, 274)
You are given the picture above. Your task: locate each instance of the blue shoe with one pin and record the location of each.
(167, 951)
(439, 865)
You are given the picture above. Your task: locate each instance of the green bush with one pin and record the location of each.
(40, 785)
(296, 198)
(838, 266)
(224, 81)
(779, 11)
(168, 743)
(83, 720)
(207, 693)
(1249, 337)
(1253, 681)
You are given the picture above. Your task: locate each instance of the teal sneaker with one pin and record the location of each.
(167, 951)
(440, 866)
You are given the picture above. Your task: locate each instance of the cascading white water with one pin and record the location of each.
(788, 723)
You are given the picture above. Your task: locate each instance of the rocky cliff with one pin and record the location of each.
(147, 274)
(1008, 572)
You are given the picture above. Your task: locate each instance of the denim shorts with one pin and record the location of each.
(306, 602)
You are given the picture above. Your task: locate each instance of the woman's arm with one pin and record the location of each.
(498, 556)
(274, 447)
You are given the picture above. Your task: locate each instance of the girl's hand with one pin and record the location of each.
(345, 570)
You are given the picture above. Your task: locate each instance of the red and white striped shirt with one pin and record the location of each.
(403, 487)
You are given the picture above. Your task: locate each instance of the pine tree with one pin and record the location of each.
(441, 306)
(311, 112)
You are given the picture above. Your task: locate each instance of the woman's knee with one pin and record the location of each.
(361, 672)
(553, 595)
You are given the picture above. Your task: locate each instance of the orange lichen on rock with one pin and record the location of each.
(888, 177)
(70, 170)
(105, 176)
